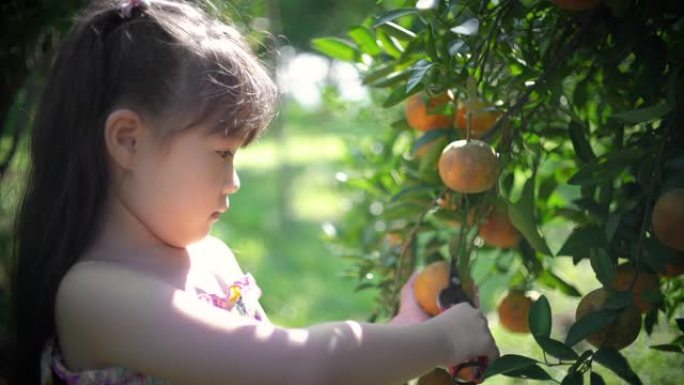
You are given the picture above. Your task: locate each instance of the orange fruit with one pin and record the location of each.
(422, 112)
(621, 332)
(497, 230)
(514, 310)
(469, 166)
(468, 375)
(668, 219)
(623, 277)
(436, 376)
(429, 283)
(393, 239)
(576, 5)
(483, 118)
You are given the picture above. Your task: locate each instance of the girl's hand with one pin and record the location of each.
(409, 310)
(465, 331)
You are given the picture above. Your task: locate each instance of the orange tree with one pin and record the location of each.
(582, 105)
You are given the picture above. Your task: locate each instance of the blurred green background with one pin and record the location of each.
(291, 192)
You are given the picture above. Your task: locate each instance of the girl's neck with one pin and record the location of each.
(125, 239)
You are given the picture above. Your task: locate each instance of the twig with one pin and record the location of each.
(399, 277)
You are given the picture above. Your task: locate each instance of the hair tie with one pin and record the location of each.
(130, 5)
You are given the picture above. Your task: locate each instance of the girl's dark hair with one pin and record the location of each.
(169, 61)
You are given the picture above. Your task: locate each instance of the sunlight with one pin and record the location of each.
(301, 76)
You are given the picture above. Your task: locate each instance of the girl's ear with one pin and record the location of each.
(123, 131)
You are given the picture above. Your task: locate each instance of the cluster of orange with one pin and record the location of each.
(465, 166)
(469, 166)
(472, 166)
(668, 226)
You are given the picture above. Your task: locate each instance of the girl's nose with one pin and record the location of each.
(232, 183)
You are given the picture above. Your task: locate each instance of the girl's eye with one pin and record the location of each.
(225, 154)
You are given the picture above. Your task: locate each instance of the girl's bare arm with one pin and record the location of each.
(120, 317)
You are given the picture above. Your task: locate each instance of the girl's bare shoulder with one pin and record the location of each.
(221, 256)
(107, 313)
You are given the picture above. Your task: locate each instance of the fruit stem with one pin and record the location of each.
(470, 103)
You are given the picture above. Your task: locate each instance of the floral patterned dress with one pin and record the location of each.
(240, 296)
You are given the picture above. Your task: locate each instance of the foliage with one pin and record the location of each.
(590, 136)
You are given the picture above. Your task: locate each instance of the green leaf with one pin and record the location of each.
(581, 240)
(365, 40)
(580, 142)
(521, 214)
(589, 324)
(551, 280)
(596, 379)
(672, 348)
(392, 80)
(428, 137)
(426, 5)
(394, 14)
(643, 114)
(420, 69)
(335, 48)
(556, 348)
(680, 324)
(456, 46)
(573, 378)
(508, 363)
(602, 265)
(396, 31)
(400, 210)
(611, 226)
(606, 167)
(398, 95)
(467, 28)
(389, 45)
(540, 317)
(532, 372)
(420, 194)
(618, 300)
(613, 360)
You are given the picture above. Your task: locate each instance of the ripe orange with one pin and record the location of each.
(497, 230)
(514, 310)
(436, 376)
(483, 118)
(621, 332)
(469, 166)
(668, 219)
(623, 277)
(422, 112)
(469, 375)
(576, 5)
(429, 283)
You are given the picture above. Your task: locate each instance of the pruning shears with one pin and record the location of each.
(469, 372)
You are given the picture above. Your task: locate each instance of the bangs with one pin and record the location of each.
(233, 90)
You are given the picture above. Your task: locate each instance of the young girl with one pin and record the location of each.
(117, 279)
